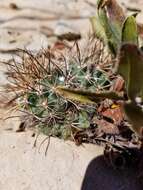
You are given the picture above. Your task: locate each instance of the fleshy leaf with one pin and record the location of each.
(85, 96)
(114, 10)
(111, 18)
(130, 31)
(98, 29)
(135, 115)
(131, 68)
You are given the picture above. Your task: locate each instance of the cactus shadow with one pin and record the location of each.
(99, 176)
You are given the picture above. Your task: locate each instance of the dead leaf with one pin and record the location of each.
(115, 112)
(106, 127)
(70, 36)
(118, 85)
(59, 45)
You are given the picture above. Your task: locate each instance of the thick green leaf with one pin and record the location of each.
(114, 10)
(130, 31)
(112, 34)
(135, 115)
(84, 96)
(100, 3)
(131, 68)
(98, 29)
(111, 18)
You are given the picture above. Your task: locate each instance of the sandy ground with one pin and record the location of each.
(24, 167)
(66, 166)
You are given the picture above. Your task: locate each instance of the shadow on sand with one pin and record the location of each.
(99, 176)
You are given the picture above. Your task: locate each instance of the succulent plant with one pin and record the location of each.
(34, 80)
(131, 68)
(122, 35)
(61, 92)
(107, 24)
(110, 22)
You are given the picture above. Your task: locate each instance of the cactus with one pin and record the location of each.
(62, 94)
(35, 78)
